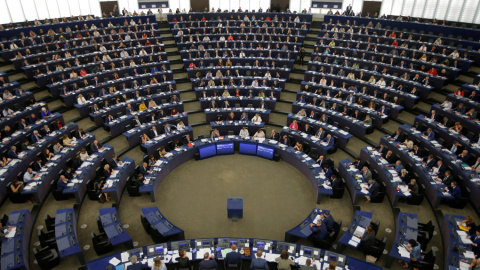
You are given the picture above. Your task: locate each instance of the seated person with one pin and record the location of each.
(455, 191)
(368, 239)
(62, 183)
(373, 188)
(259, 134)
(319, 230)
(208, 262)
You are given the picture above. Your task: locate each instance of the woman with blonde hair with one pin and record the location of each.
(158, 265)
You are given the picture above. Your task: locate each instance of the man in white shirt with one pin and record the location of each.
(29, 175)
(124, 54)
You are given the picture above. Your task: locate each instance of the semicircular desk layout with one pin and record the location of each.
(225, 145)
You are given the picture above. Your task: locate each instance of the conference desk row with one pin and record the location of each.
(234, 22)
(393, 66)
(144, 72)
(307, 139)
(341, 137)
(240, 101)
(425, 39)
(361, 220)
(240, 81)
(354, 180)
(381, 43)
(40, 42)
(120, 124)
(40, 187)
(24, 113)
(66, 234)
(50, 73)
(230, 30)
(408, 85)
(407, 228)
(196, 248)
(128, 85)
(16, 243)
(378, 120)
(237, 44)
(245, 62)
(133, 135)
(355, 127)
(9, 33)
(18, 166)
(274, 53)
(449, 135)
(166, 140)
(113, 228)
(239, 16)
(212, 114)
(434, 191)
(87, 171)
(116, 182)
(227, 127)
(457, 250)
(20, 101)
(303, 230)
(378, 99)
(437, 29)
(469, 124)
(395, 187)
(19, 61)
(217, 91)
(468, 104)
(246, 71)
(246, 37)
(20, 136)
(161, 224)
(306, 165)
(153, 92)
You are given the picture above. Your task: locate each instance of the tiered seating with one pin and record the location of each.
(220, 50)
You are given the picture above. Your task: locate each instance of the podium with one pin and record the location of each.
(235, 207)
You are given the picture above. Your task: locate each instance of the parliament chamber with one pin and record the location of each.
(238, 134)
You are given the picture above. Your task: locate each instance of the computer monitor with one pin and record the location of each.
(261, 245)
(159, 249)
(307, 251)
(233, 243)
(246, 148)
(180, 245)
(137, 252)
(225, 148)
(183, 246)
(340, 259)
(265, 152)
(207, 151)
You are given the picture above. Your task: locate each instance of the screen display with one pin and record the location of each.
(265, 152)
(247, 148)
(260, 244)
(136, 253)
(332, 258)
(307, 251)
(233, 243)
(159, 249)
(207, 151)
(225, 148)
(283, 247)
(183, 246)
(206, 243)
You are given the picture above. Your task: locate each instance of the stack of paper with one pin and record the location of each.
(403, 252)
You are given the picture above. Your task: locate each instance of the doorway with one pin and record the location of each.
(107, 7)
(279, 5)
(371, 7)
(199, 5)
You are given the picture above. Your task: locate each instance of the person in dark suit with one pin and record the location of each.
(373, 188)
(447, 179)
(308, 129)
(329, 140)
(115, 162)
(167, 128)
(38, 165)
(335, 182)
(455, 191)
(233, 257)
(154, 132)
(208, 262)
(62, 183)
(382, 150)
(429, 162)
(285, 140)
(440, 169)
(319, 230)
(328, 171)
(368, 239)
(313, 115)
(429, 135)
(432, 116)
(275, 135)
(475, 238)
(329, 221)
(96, 146)
(390, 157)
(187, 140)
(358, 163)
(12, 153)
(144, 168)
(136, 265)
(80, 133)
(36, 137)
